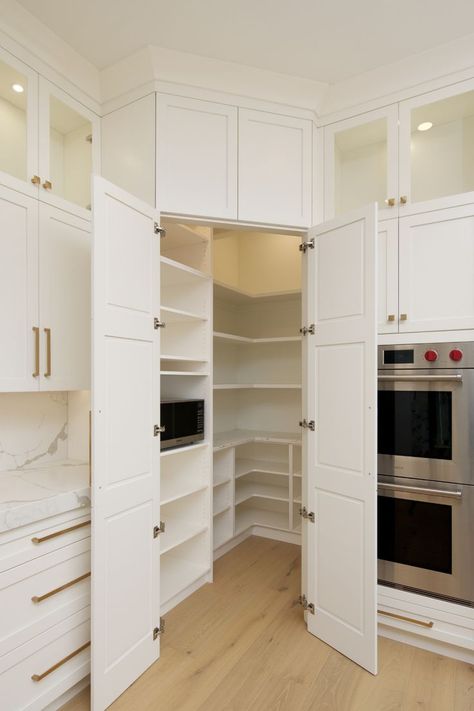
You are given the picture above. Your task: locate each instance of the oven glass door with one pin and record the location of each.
(424, 529)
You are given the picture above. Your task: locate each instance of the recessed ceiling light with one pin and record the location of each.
(425, 126)
(18, 88)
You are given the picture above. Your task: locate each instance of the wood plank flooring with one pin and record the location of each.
(241, 645)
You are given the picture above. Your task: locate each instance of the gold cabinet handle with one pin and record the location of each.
(403, 199)
(36, 180)
(403, 317)
(48, 352)
(422, 623)
(390, 202)
(59, 533)
(38, 677)
(47, 185)
(40, 598)
(36, 371)
(391, 317)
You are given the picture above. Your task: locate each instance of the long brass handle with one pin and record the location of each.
(47, 185)
(40, 598)
(36, 371)
(38, 677)
(48, 352)
(422, 623)
(59, 533)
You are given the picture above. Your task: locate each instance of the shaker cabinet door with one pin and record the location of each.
(196, 157)
(275, 167)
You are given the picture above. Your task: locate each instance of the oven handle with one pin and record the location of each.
(420, 490)
(457, 378)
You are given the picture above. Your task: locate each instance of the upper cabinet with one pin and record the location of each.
(437, 148)
(196, 157)
(361, 163)
(275, 168)
(50, 142)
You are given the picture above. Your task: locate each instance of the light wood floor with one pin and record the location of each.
(241, 645)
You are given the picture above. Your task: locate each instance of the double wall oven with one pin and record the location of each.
(426, 469)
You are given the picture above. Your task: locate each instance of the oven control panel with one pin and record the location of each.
(426, 355)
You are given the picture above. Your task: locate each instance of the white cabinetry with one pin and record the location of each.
(45, 296)
(388, 276)
(196, 157)
(275, 159)
(436, 270)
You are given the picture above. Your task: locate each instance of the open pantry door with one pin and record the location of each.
(339, 546)
(125, 444)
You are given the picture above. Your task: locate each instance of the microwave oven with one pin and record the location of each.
(183, 422)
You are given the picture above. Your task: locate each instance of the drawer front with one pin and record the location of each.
(40, 593)
(29, 683)
(28, 542)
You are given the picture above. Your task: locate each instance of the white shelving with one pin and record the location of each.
(248, 517)
(170, 315)
(256, 386)
(238, 296)
(232, 338)
(247, 466)
(245, 491)
(233, 438)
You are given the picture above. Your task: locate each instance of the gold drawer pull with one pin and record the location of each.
(48, 352)
(36, 371)
(422, 623)
(40, 598)
(38, 677)
(47, 185)
(59, 533)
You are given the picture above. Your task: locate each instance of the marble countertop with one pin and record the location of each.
(29, 495)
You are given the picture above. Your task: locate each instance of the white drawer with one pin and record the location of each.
(40, 593)
(19, 545)
(34, 675)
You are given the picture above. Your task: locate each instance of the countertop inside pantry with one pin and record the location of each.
(29, 495)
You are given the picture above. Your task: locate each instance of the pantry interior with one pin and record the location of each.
(231, 309)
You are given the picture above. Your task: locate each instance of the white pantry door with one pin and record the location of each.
(341, 545)
(126, 454)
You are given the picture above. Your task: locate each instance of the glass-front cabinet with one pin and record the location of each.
(437, 147)
(361, 163)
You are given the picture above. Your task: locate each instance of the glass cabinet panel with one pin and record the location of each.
(360, 166)
(13, 121)
(70, 153)
(442, 147)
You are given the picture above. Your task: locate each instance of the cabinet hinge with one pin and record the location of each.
(159, 230)
(308, 606)
(304, 246)
(158, 529)
(305, 330)
(159, 630)
(157, 430)
(309, 515)
(309, 425)
(158, 324)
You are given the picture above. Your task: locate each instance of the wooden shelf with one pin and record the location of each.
(177, 574)
(233, 438)
(171, 315)
(181, 450)
(239, 296)
(247, 517)
(247, 466)
(185, 534)
(232, 338)
(256, 386)
(250, 490)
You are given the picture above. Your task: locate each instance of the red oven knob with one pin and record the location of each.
(431, 355)
(456, 354)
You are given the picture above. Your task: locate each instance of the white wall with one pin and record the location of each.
(360, 176)
(13, 140)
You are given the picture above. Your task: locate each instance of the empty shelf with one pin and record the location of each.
(182, 235)
(251, 490)
(169, 495)
(222, 481)
(222, 510)
(246, 466)
(231, 338)
(180, 450)
(182, 358)
(177, 574)
(170, 541)
(171, 315)
(173, 272)
(248, 517)
(239, 296)
(223, 440)
(256, 386)
(183, 372)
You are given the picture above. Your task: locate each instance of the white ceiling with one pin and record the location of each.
(325, 40)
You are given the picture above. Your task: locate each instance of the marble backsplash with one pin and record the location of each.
(33, 429)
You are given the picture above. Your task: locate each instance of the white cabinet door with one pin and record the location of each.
(275, 168)
(19, 325)
(340, 547)
(388, 276)
(436, 270)
(196, 157)
(126, 452)
(65, 301)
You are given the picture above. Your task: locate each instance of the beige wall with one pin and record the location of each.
(226, 259)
